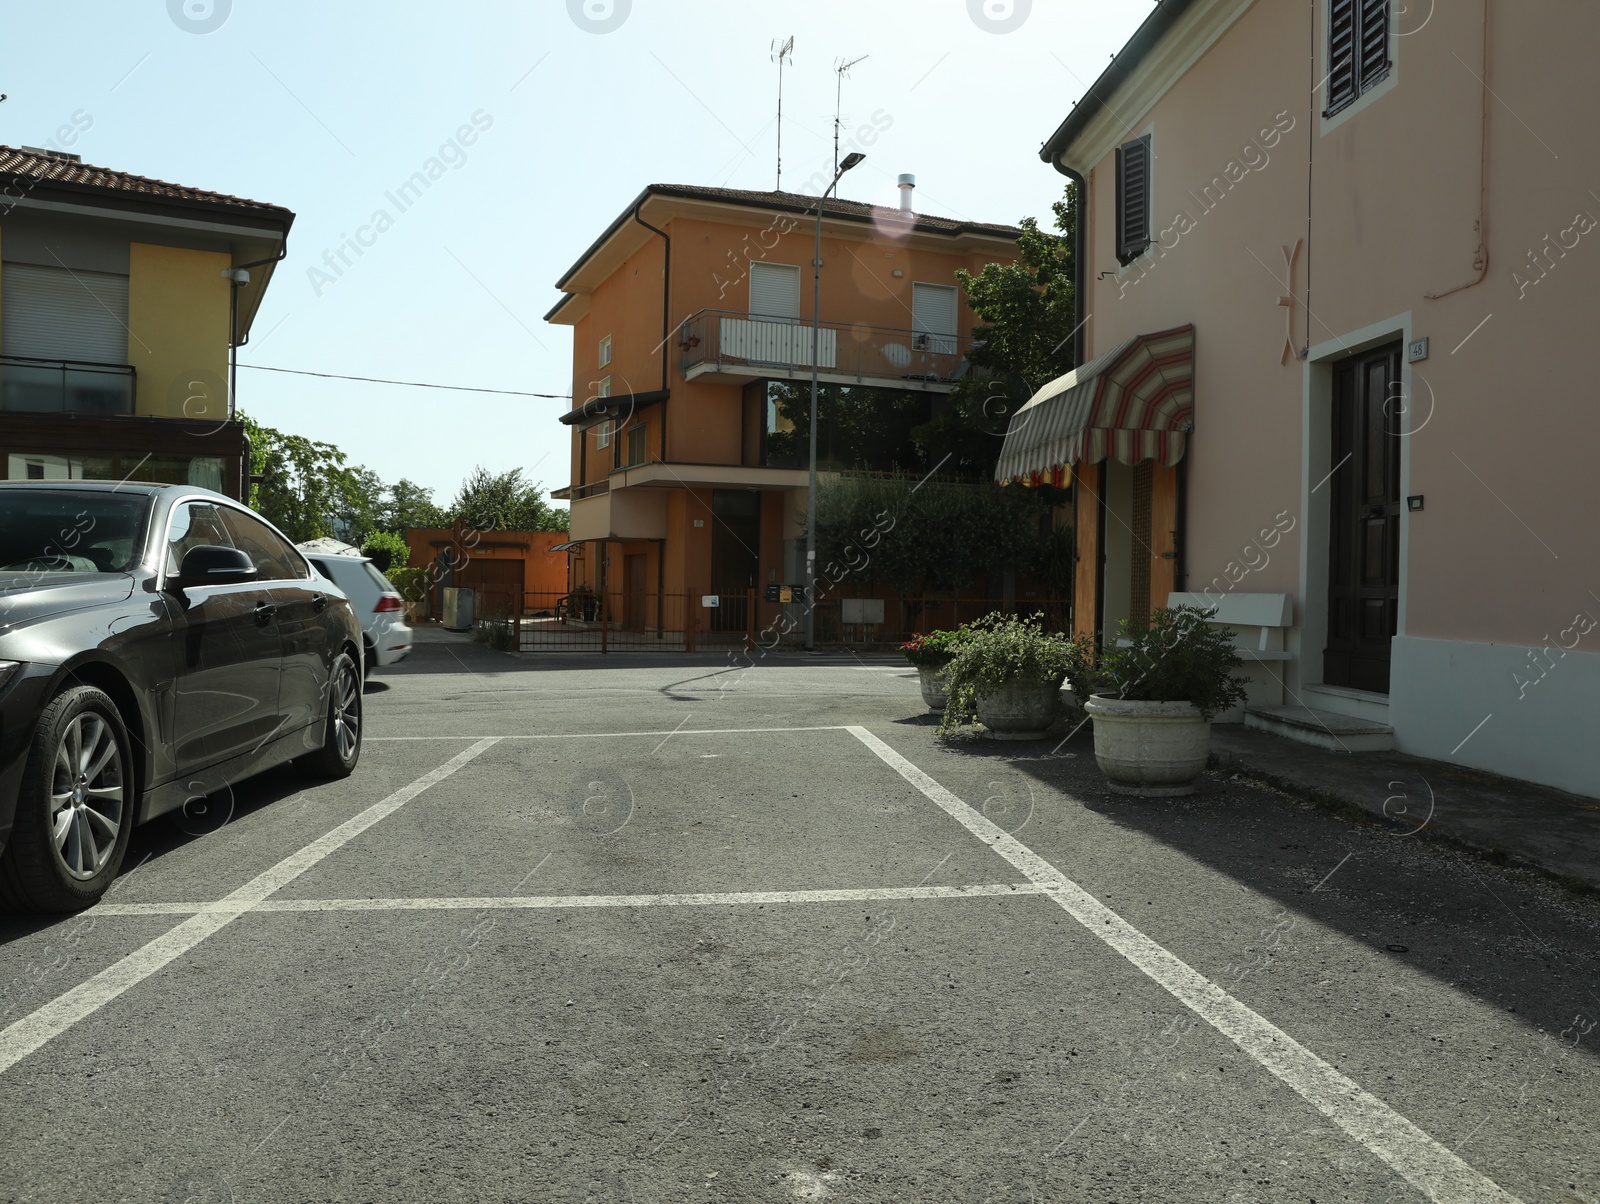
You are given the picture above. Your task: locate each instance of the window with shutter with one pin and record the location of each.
(1358, 50)
(1133, 199)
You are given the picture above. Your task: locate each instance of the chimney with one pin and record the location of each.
(907, 183)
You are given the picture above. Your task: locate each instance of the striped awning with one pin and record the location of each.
(1135, 402)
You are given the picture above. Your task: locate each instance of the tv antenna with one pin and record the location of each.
(841, 69)
(781, 55)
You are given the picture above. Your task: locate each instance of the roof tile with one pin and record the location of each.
(54, 169)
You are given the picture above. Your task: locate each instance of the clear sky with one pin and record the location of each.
(326, 108)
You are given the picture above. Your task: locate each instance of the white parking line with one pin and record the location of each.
(706, 731)
(22, 1037)
(1422, 1161)
(744, 898)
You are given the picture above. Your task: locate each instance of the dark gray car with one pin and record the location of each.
(157, 643)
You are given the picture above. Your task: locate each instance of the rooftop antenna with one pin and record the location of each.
(781, 55)
(841, 69)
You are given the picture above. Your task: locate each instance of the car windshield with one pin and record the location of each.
(70, 531)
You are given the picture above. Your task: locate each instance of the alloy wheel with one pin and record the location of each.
(86, 796)
(347, 713)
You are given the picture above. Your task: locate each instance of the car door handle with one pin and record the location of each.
(264, 613)
(319, 602)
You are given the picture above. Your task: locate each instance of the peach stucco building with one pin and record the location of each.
(1339, 272)
(692, 337)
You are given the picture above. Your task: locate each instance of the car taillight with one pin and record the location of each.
(389, 603)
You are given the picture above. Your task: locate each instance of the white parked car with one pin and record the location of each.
(377, 604)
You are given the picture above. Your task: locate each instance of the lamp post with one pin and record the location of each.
(850, 160)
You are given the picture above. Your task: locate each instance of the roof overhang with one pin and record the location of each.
(660, 203)
(1135, 402)
(1172, 39)
(249, 238)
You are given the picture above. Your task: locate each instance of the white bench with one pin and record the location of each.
(1259, 623)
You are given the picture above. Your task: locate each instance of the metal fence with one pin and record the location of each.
(905, 617)
(638, 622)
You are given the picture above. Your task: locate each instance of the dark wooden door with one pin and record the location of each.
(1364, 539)
(735, 543)
(634, 592)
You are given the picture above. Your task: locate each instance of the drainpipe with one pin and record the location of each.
(666, 312)
(234, 344)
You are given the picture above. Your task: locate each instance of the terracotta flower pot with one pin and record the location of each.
(1020, 710)
(1156, 749)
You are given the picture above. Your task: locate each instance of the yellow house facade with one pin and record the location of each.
(121, 298)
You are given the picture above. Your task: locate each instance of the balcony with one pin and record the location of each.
(38, 386)
(734, 348)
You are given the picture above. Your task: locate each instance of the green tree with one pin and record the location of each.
(504, 502)
(411, 505)
(1027, 312)
(304, 487)
(921, 537)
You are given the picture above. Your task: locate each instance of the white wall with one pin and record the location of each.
(1546, 731)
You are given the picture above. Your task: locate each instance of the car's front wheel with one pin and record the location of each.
(341, 737)
(74, 808)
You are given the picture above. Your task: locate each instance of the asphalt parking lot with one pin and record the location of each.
(601, 929)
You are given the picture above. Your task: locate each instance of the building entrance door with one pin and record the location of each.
(1364, 534)
(635, 602)
(735, 543)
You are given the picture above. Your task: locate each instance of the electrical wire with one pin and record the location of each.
(412, 384)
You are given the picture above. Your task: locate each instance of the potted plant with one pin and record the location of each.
(1007, 674)
(1158, 691)
(932, 654)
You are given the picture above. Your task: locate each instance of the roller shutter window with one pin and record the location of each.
(1358, 50)
(933, 317)
(775, 291)
(57, 314)
(1133, 199)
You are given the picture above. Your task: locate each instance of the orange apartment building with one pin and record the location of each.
(692, 338)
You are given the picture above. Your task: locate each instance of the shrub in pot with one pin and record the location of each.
(1007, 674)
(931, 654)
(1156, 695)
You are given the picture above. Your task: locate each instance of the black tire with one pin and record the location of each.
(369, 658)
(70, 834)
(341, 730)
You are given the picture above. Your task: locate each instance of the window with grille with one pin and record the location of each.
(602, 434)
(1358, 50)
(1133, 199)
(605, 351)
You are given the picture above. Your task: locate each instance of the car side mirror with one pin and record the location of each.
(209, 564)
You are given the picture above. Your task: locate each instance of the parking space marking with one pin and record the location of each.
(22, 1037)
(866, 894)
(1428, 1166)
(700, 731)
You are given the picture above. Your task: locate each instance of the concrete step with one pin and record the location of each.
(1323, 729)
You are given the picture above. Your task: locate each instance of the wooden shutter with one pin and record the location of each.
(1374, 59)
(1133, 199)
(51, 313)
(1358, 49)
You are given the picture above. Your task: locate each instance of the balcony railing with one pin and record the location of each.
(748, 345)
(40, 386)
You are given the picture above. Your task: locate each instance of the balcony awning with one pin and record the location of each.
(1135, 402)
(619, 406)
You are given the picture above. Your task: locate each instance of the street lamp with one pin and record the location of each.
(850, 160)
